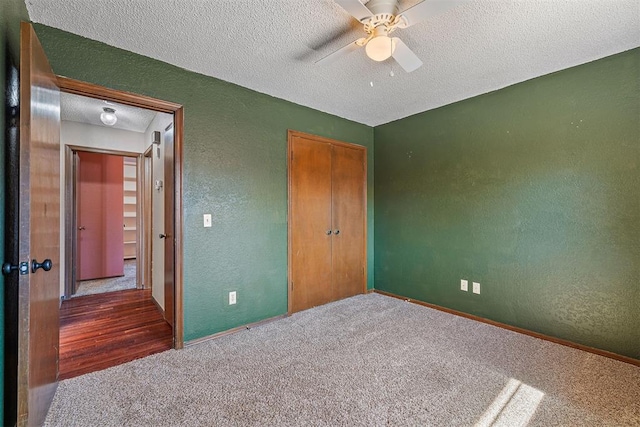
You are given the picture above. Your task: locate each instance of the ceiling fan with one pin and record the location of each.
(380, 19)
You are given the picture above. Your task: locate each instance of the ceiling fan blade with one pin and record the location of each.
(405, 56)
(355, 8)
(342, 51)
(427, 9)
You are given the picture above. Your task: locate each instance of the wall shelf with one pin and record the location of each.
(130, 201)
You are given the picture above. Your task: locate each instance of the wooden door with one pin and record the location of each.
(147, 236)
(327, 220)
(309, 223)
(39, 235)
(348, 220)
(100, 218)
(169, 227)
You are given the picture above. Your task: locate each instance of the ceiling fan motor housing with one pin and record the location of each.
(378, 7)
(384, 17)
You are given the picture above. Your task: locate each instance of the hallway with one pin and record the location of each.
(105, 330)
(110, 284)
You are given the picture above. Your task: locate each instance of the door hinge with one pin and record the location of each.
(291, 285)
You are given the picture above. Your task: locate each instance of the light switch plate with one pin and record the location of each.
(476, 287)
(232, 297)
(207, 220)
(464, 285)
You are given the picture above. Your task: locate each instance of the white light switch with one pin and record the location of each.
(232, 297)
(464, 285)
(476, 287)
(207, 220)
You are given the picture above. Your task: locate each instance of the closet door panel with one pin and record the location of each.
(310, 222)
(348, 220)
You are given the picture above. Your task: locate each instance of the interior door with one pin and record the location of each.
(169, 232)
(147, 183)
(100, 217)
(309, 223)
(348, 219)
(39, 232)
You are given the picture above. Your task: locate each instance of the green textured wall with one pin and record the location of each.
(533, 191)
(234, 167)
(11, 13)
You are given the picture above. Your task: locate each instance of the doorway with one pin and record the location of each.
(139, 225)
(105, 204)
(173, 207)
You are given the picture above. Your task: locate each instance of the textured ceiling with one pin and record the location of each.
(75, 108)
(271, 46)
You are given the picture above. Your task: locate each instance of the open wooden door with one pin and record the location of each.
(39, 233)
(169, 226)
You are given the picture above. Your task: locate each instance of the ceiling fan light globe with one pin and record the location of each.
(108, 116)
(380, 48)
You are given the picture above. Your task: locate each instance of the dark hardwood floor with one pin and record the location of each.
(105, 330)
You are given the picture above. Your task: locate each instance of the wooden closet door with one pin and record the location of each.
(309, 223)
(348, 218)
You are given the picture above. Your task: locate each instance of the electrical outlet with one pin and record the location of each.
(232, 297)
(464, 285)
(207, 220)
(476, 287)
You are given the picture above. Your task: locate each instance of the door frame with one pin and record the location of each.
(291, 134)
(71, 213)
(91, 90)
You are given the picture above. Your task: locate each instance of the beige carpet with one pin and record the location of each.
(365, 361)
(112, 284)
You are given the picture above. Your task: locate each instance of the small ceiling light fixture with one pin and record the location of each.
(108, 116)
(381, 46)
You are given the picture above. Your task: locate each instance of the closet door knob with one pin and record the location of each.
(336, 232)
(328, 232)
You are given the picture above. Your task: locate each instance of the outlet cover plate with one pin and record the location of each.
(464, 285)
(232, 297)
(476, 287)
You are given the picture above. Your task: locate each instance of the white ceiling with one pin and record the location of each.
(271, 46)
(75, 108)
